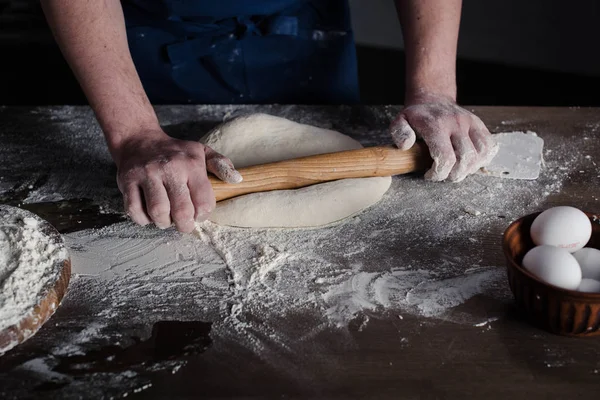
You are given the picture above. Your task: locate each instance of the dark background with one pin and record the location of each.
(511, 52)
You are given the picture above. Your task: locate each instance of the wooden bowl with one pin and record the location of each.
(49, 297)
(560, 311)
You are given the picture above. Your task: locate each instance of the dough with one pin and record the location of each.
(262, 138)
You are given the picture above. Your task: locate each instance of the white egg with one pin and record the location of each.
(553, 265)
(589, 286)
(589, 261)
(565, 227)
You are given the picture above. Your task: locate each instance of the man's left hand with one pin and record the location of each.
(458, 141)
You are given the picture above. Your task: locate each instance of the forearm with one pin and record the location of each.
(92, 37)
(430, 30)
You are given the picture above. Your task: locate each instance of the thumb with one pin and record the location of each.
(402, 133)
(221, 166)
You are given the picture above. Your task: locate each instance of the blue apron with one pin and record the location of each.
(243, 51)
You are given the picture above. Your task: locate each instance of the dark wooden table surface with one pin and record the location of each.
(413, 357)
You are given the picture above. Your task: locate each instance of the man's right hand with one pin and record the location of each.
(164, 180)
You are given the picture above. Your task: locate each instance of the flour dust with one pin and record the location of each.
(426, 250)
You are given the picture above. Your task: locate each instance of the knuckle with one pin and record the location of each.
(129, 176)
(177, 173)
(183, 214)
(133, 209)
(206, 206)
(151, 170)
(204, 192)
(483, 146)
(467, 157)
(159, 210)
(428, 119)
(176, 182)
(463, 122)
(447, 162)
(176, 185)
(218, 160)
(176, 159)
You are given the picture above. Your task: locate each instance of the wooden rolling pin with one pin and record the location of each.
(306, 171)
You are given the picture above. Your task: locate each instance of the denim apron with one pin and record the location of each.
(243, 51)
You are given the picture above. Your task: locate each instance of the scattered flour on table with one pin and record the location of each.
(424, 250)
(30, 260)
(419, 251)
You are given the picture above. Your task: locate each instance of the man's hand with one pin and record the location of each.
(164, 180)
(458, 141)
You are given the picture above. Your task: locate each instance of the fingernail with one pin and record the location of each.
(236, 177)
(403, 140)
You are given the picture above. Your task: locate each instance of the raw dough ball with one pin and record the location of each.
(553, 265)
(589, 286)
(589, 261)
(262, 138)
(566, 227)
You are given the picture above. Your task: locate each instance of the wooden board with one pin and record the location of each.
(50, 297)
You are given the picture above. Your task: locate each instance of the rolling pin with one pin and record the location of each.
(306, 171)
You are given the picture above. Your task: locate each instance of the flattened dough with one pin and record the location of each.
(262, 138)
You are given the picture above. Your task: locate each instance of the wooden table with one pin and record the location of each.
(412, 357)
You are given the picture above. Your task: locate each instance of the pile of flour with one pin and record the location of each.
(30, 260)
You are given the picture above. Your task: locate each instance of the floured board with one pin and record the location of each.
(519, 156)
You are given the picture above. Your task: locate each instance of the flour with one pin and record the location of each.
(32, 261)
(426, 250)
(375, 263)
(519, 156)
(275, 273)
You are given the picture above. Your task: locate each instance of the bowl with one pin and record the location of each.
(561, 311)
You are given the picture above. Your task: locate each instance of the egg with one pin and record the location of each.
(589, 261)
(565, 227)
(553, 265)
(589, 286)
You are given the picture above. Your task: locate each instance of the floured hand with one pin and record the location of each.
(458, 141)
(164, 180)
